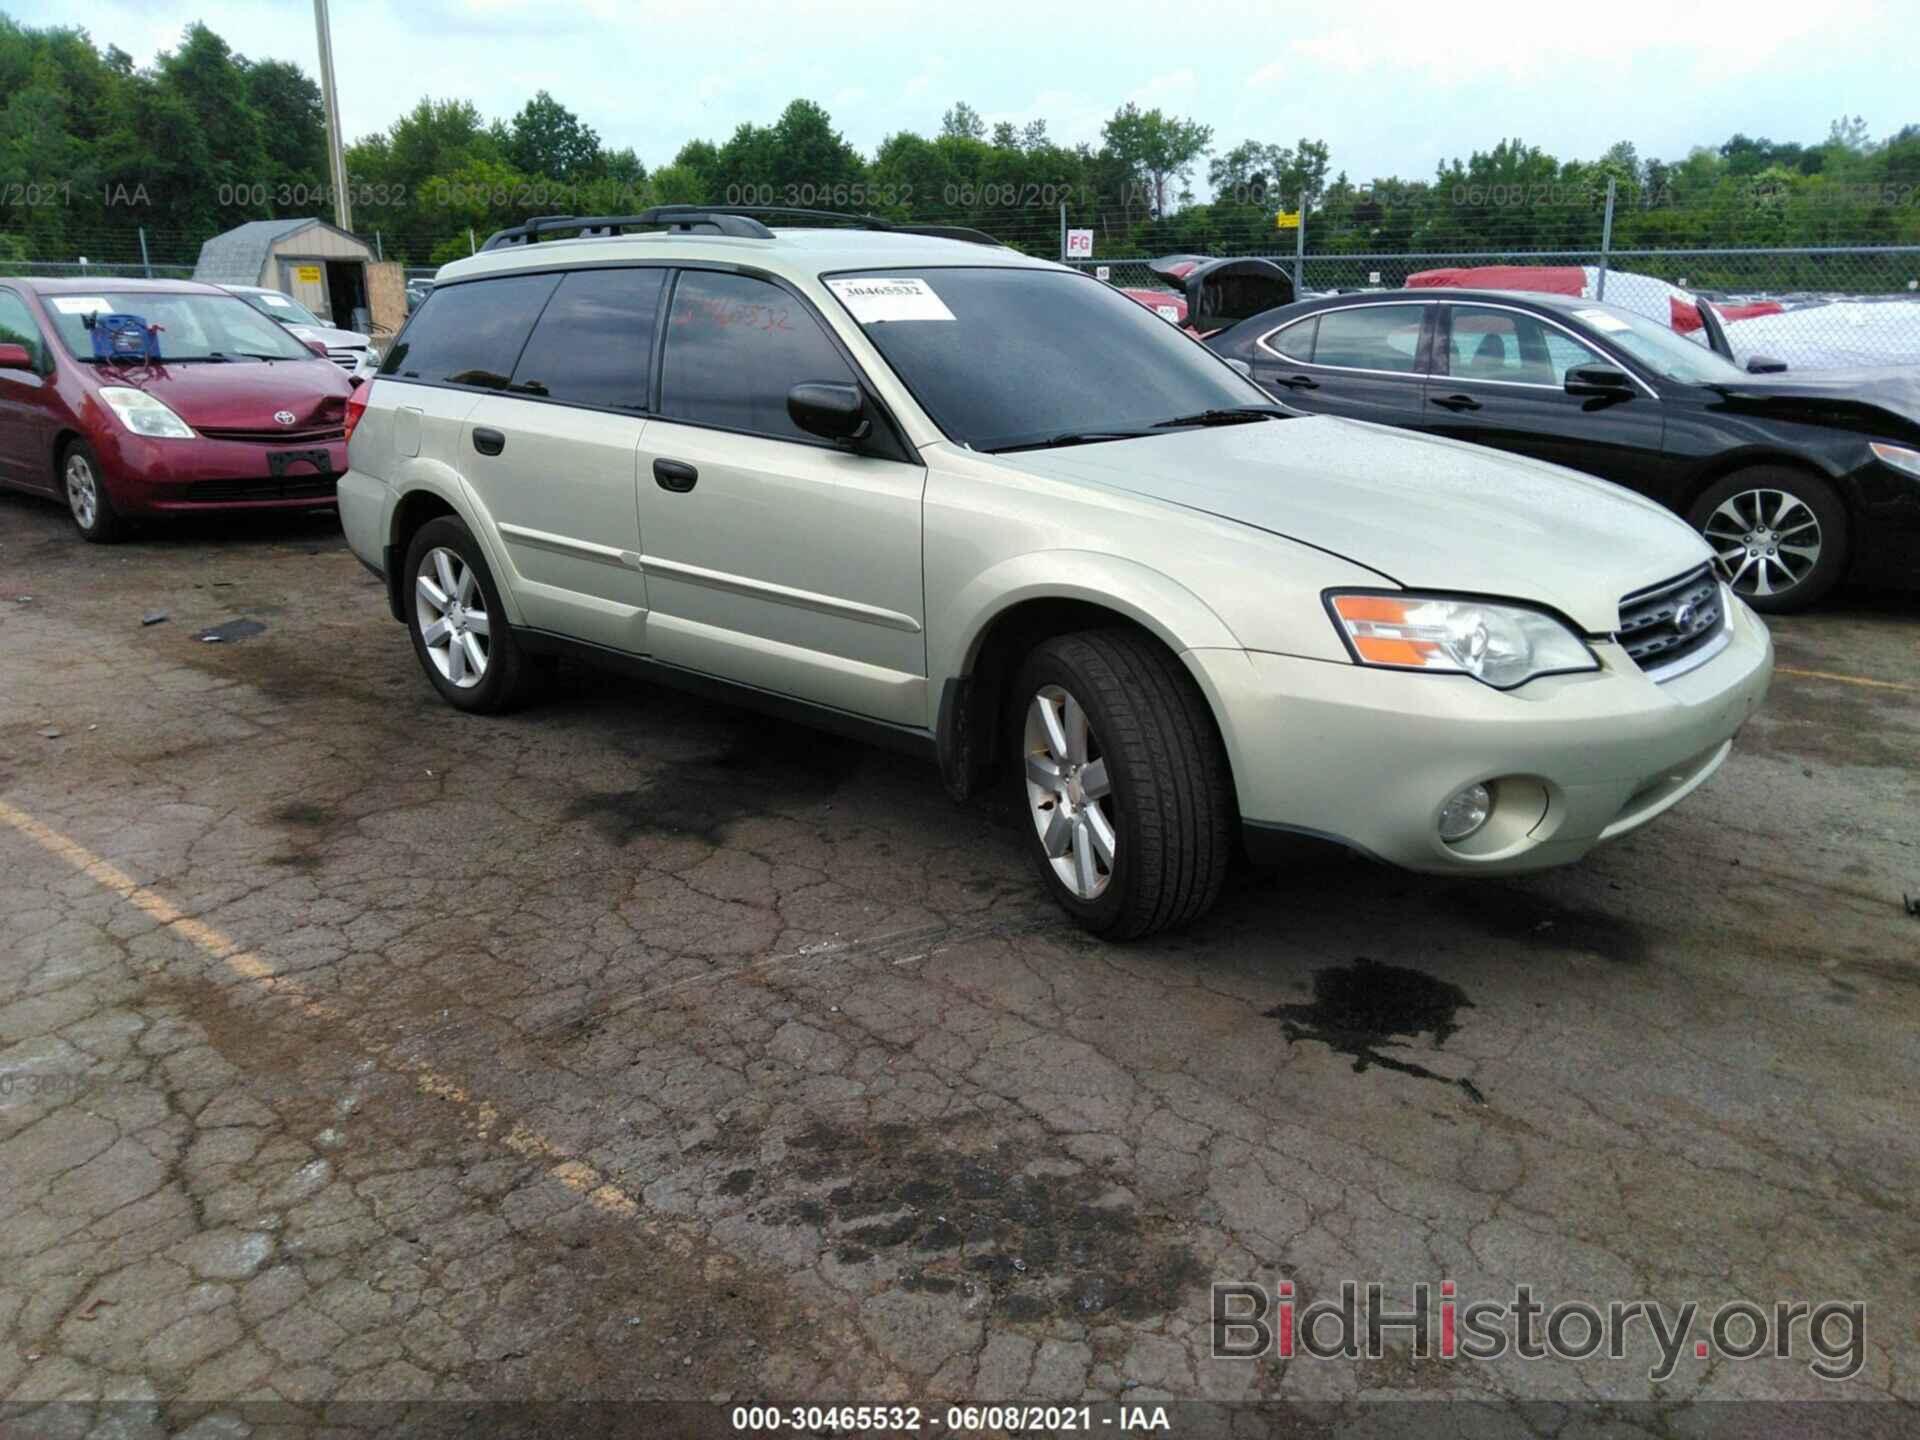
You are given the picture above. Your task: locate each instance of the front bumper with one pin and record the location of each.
(165, 477)
(1368, 757)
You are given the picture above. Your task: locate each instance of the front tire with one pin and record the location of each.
(83, 486)
(1124, 779)
(1779, 536)
(459, 628)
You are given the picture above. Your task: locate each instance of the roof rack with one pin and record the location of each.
(737, 220)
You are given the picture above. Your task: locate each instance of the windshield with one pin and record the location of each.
(1664, 351)
(1001, 358)
(192, 326)
(282, 307)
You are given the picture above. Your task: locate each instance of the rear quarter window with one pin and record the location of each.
(471, 333)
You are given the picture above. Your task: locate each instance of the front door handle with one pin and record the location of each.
(675, 475)
(488, 442)
(1297, 382)
(1457, 402)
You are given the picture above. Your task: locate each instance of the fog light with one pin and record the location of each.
(1465, 813)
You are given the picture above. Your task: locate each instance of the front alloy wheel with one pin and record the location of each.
(452, 612)
(1766, 541)
(1069, 792)
(93, 513)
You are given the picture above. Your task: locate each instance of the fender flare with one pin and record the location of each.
(444, 483)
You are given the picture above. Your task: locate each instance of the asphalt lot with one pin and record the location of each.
(630, 1047)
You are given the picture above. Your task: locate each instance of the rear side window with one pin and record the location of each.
(470, 334)
(1372, 337)
(735, 346)
(594, 342)
(1295, 341)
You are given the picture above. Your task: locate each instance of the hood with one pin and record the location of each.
(242, 395)
(333, 339)
(1426, 513)
(1882, 398)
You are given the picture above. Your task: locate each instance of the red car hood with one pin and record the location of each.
(243, 395)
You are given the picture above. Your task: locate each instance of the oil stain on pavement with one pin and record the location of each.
(1361, 1009)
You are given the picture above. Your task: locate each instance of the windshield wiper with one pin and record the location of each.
(1227, 415)
(1071, 437)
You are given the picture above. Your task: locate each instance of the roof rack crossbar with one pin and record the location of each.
(737, 220)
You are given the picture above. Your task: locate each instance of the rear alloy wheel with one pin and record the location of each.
(1124, 781)
(86, 495)
(1779, 538)
(454, 615)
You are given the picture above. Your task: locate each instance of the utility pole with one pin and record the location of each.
(336, 157)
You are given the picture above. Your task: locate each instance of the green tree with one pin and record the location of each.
(1158, 149)
(547, 139)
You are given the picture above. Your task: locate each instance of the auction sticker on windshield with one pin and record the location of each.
(1601, 320)
(80, 304)
(874, 302)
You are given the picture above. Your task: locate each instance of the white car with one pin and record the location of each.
(985, 508)
(349, 349)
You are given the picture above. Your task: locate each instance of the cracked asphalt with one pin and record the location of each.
(631, 1047)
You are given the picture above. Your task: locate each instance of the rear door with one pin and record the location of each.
(1362, 361)
(1500, 377)
(775, 558)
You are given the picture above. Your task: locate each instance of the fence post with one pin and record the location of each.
(1063, 231)
(1300, 249)
(379, 250)
(1606, 242)
(473, 248)
(145, 263)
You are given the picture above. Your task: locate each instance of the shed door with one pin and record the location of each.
(306, 281)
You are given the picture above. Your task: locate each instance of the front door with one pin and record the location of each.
(774, 558)
(1500, 380)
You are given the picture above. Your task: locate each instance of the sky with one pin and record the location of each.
(1394, 88)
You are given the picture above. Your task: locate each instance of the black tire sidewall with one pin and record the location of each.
(497, 688)
(1817, 496)
(1047, 666)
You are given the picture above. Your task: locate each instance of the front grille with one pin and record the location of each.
(292, 487)
(314, 435)
(1668, 623)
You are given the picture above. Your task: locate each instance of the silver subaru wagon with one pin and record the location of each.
(928, 490)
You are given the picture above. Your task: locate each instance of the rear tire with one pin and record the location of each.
(1779, 536)
(1123, 776)
(83, 486)
(468, 651)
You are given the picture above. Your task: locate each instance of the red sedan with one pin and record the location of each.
(134, 398)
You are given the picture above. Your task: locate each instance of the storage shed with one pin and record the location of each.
(320, 265)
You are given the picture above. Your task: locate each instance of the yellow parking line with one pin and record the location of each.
(1846, 679)
(249, 966)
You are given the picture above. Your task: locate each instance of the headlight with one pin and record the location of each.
(1500, 645)
(144, 415)
(1898, 456)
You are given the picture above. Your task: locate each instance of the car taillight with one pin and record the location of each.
(357, 406)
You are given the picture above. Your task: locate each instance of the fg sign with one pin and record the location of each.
(1079, 244)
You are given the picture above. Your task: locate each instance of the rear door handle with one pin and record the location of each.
(1457, 402)
(1297, 382)
(675, 475)
(488, 442)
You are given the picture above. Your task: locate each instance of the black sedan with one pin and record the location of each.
(1797, 480)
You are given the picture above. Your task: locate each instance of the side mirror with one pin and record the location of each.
(1240, 366)
(319, 347)
(1601, 380)
(831, 411)
(1764, 365)
(15, 357)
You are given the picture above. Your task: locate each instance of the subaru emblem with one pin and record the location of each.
(284, 417)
